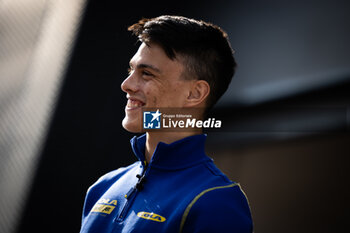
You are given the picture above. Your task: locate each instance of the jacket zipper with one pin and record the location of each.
(131, 194)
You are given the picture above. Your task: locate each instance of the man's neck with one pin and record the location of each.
(153, 138)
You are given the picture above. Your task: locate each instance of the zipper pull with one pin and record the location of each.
(129, 193)
(138, 186)
(140, 183)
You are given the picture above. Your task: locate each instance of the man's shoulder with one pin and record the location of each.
(225, 205)
(107, 180)
(218, 200)
(222, 195)
(114, 175)
(96, 190)
(216, 172)
(209, 175)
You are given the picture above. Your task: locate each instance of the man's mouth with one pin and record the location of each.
(133, 104)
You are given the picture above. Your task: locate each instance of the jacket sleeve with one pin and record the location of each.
(218, 209)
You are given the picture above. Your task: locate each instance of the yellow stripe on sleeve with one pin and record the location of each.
(184, 216)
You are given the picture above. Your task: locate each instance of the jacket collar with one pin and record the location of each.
(180, 154)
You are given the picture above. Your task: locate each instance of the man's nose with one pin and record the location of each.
(130, 84)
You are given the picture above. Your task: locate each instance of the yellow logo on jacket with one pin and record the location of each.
(105, 206)
(151, 216)
(106, 209)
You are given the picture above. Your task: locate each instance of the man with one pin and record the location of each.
(174, 187)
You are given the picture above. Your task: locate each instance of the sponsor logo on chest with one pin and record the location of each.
(105, 206)
(151, 216)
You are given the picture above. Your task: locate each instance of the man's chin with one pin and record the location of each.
(132, 127)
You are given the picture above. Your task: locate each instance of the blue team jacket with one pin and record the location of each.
(180, 190)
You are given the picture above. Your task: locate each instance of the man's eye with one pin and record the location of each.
(147, 73)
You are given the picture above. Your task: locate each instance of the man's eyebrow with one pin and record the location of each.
(143, 65)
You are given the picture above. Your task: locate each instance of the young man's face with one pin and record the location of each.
(154, 81)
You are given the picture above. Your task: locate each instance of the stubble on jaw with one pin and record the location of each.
(154, 102)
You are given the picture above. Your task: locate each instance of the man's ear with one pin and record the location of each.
(198, 94)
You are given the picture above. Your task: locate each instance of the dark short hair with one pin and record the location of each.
(203, 47)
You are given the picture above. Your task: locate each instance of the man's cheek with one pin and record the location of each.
(154, 101)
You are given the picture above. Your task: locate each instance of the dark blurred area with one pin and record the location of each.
(285, 135)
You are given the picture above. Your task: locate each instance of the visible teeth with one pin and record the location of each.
(134, 103)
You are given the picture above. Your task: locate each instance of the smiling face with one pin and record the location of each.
(154, 81)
